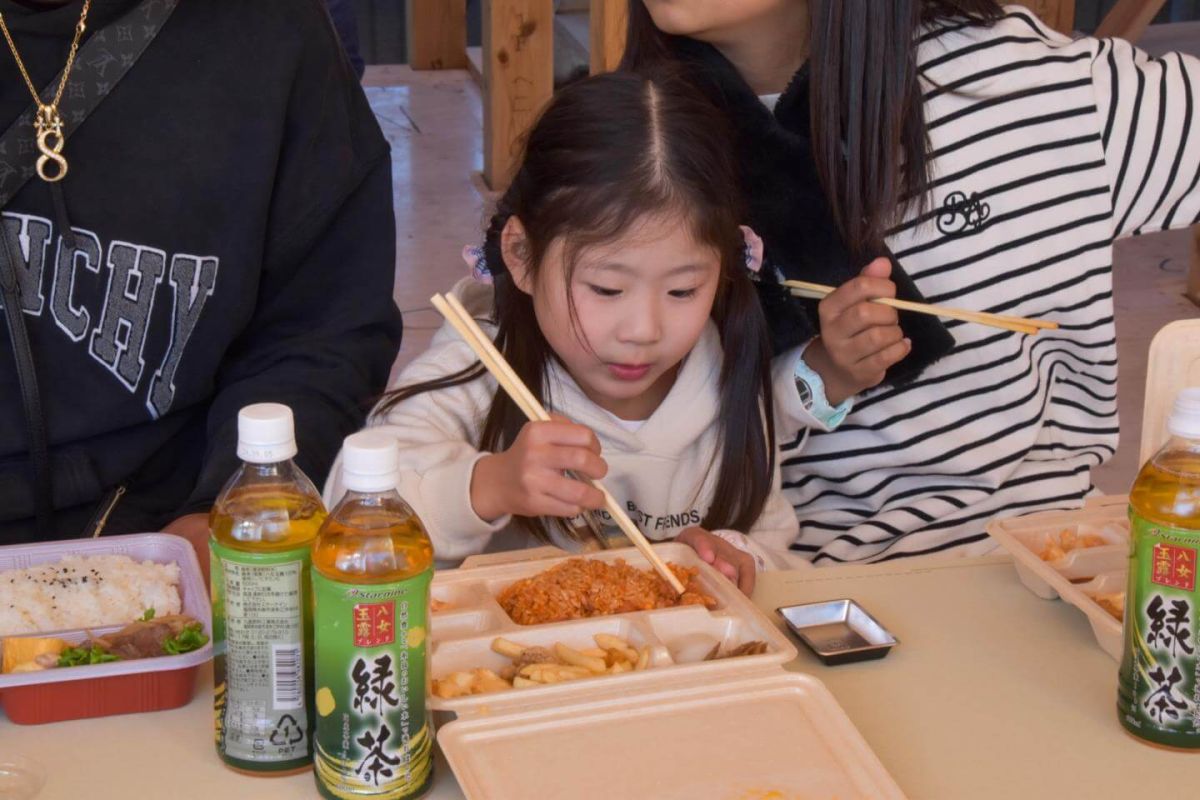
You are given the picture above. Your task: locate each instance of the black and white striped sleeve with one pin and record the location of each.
(1151, 135)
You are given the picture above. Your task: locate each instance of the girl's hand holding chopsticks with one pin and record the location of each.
(528, 478)
(859, 339)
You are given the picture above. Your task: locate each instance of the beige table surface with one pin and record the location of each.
(992, 693)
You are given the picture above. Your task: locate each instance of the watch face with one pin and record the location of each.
(806, 394)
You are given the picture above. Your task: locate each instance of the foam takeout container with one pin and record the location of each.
(684, 728)
(1082, 575)
(117, 687)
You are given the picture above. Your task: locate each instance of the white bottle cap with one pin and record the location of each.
(266, 433)
(1185, 417)
(370, 462)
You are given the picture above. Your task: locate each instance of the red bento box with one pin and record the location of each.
(119, 687)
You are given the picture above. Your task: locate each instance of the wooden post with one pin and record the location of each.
(437, 34)
(1193, 284)
(609, 19)
(1129, 19)
(518, 79)
(1058, 14)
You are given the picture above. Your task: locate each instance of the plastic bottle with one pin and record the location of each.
(372, 568)
(262, 526)
(1158, 697)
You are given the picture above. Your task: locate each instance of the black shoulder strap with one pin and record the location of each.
(31, 402)
(102, 61)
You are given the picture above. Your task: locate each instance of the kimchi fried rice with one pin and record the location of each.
(582, 588)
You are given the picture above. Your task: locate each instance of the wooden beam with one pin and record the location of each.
(518, 79)
(1058, 14)
(1129, 19)
(437, 34)
(609, 19)
(1193, 284)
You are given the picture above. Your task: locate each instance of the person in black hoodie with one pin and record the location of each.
(230, 201)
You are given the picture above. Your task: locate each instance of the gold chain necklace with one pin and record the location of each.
(48, 121)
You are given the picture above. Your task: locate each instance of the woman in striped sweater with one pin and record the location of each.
(992, 163)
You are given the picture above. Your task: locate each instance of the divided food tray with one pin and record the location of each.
(118, 687)
(555, 740)
(461, 635)
(1082, 575)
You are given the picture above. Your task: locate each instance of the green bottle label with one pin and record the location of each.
(374, 736)
(1159, 691)
(262, 664)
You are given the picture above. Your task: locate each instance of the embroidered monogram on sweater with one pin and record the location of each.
(961, 213)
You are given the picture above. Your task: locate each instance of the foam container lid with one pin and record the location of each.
(758, 730)
(161, 548)
(779, 735)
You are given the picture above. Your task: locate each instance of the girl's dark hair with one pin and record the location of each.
(607, 152)
(868, 123)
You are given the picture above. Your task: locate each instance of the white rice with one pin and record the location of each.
(85, 592)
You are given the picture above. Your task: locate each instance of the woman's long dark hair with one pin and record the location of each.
(868, 123)
(607, 152)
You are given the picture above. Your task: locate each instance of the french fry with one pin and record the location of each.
(643, 659)
(554, 673)
(532, 669)
(456, 684)
(610, 642)
(506, 648)
(578, 659)
(488, 681)
(543, 666)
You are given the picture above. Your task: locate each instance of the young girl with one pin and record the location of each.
(620, 294)
(998, 161)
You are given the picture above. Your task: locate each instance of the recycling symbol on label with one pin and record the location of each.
(287, 731)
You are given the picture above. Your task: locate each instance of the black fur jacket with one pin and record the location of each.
(788, 209)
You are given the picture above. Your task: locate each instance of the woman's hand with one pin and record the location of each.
(735, 564)
(859, 339)
(194, 528)
(527, 479)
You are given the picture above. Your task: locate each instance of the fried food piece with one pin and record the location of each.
(580, 588)
(464, 684)
(541, 666)
(1069, 539)
(1112, 603)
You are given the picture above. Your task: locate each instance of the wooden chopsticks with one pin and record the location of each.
(815, 291)
(511, 383)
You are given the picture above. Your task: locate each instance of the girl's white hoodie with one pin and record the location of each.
(663, 473)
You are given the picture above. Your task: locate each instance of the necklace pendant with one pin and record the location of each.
(50, 142)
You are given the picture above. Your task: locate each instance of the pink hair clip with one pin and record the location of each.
(754, 249)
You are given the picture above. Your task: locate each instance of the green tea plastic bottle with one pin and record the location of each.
(372, 568)
(263, 525)
(1158, 698)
